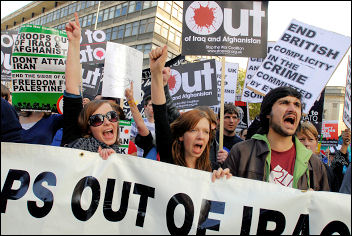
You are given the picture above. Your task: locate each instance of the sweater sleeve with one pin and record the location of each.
(72, 108)
(163, 133)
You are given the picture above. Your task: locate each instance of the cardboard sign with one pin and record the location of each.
(315, 115)
(38, 68)
(347, 105)
(244, 115)
(124, 136)
(7, 41)
(231, 75)
(225, 28)
(252, 67)
(194, 85)
(304, 58)
(123, 64)
(330, 132)
(91, 78)
(58, 190)
(93, 46)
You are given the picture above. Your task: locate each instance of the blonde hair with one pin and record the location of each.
(306, 127)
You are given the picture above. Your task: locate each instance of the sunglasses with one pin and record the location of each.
(98, 119)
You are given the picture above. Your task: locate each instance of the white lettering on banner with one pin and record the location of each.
(176, 80)
(131, 195)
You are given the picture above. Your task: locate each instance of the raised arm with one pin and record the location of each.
(157, 58)
(142, 128)
(73, 71)
(72, 99)
(162, 127)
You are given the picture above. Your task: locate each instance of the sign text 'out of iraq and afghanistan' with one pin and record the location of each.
(225, 28)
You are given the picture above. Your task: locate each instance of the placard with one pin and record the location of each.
(225, 28)
(38, 68)
(304, 58)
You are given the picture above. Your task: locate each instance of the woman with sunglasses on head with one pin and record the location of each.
(94, 127)
(187, 141)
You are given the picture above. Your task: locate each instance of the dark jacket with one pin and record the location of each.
(251, 159)
(10, 125)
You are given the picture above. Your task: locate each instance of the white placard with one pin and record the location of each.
(304, 58)
(252, 67)
(123, 64)
(231, 75)
(58, 190)
(347, 105)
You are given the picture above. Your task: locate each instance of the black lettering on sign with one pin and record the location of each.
(336, 227)
(78, 212)
(43, 194)
(7, 193)
(145, 192)
(204, 222)
(186, 201)
(246, 220)
(302, 226)
(267, 215)
(109, 214)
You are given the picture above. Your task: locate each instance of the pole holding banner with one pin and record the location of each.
(221, 132)
(96, 18)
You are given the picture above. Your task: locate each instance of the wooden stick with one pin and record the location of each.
(221, 131)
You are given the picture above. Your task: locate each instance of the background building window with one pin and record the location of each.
(124, 9)
(138, 5)
(143, 26)
(132, 6)
(135, 28)
(111, 14)
(108, 34)
(118, 11)
(114, 33)
(106, 14)
(121, 31)
(128, 30)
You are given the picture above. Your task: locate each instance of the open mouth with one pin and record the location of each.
(108, 133)
(290, 119)
(197, 148)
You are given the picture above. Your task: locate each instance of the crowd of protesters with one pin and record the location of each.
(276, 144)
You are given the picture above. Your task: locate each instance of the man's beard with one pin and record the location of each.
(277, 128)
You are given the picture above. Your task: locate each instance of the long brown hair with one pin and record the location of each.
(181, 125)
(86, 112)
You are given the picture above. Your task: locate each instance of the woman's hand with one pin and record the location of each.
(105, 153)
(157, 59)
(73, 30)
(217, 174)
(129, 93)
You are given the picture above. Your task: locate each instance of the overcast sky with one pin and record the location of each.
(334, 16)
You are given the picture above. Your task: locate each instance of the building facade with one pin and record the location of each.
(143, 25)
(333, 105)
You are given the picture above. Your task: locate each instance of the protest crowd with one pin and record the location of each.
(277, 147)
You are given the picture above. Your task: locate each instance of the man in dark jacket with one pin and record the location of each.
(274, 154)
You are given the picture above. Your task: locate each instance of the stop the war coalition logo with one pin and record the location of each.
(231, 28)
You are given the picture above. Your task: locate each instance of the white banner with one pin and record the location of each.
(303, 58)
(56, 190)
(347, 104)
(252, 67)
